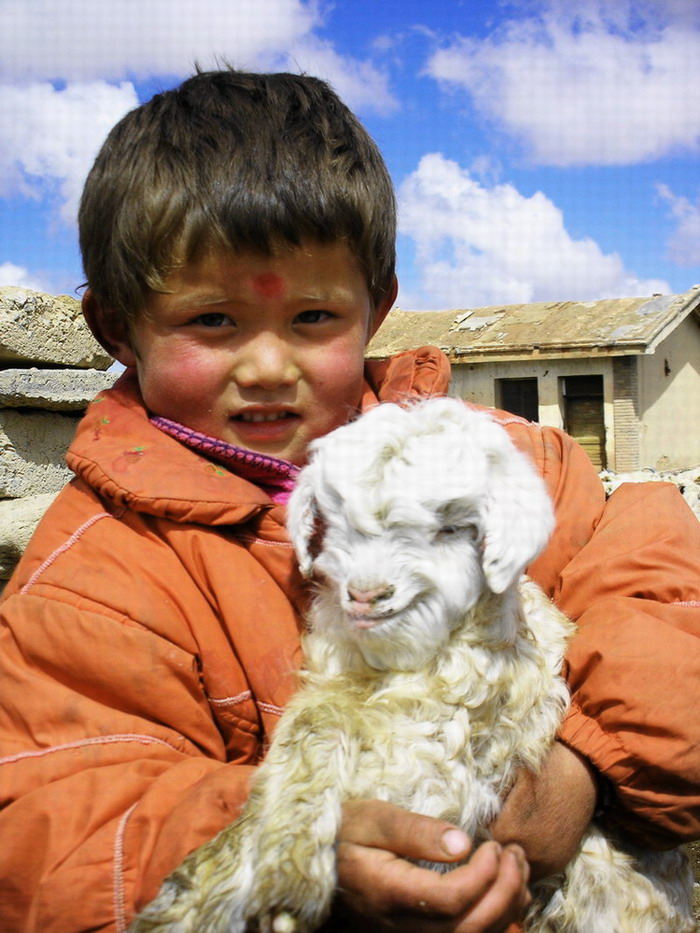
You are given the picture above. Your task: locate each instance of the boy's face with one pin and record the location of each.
(262, 352)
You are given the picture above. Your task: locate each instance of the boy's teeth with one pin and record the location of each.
(256, 416)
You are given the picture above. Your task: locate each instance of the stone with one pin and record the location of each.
(18, 519)
(32, 452)
(52, 389)
(46, 330)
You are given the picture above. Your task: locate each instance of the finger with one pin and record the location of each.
(505, 902)
(376, 882)
(380, 825)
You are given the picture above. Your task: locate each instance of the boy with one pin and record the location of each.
(238, 242)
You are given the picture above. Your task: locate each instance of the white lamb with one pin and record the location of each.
(432, 673)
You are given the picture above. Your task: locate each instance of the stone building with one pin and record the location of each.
(621, 375)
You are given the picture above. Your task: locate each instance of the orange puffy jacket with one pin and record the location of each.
(149, 639)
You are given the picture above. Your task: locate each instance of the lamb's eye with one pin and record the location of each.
(449, 532)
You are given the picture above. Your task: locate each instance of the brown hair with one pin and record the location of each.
(233, 159)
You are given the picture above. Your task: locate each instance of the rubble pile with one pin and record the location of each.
(687, 481)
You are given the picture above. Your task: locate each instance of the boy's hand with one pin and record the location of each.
(377, 882)
(547, 813)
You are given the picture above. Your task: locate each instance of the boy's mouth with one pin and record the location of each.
(257, 417)
(258, 427)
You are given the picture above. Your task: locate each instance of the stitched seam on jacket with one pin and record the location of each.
(251, 539)
(96, 740)
(247, 695)
(232, 701)
(119, 896)
(61, 549)
(523, 422)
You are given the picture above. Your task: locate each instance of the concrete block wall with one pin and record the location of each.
(50, 368)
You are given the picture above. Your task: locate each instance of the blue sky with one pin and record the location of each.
(541, 149)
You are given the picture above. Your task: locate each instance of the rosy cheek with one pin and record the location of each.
(340, 373)
(180, 381)
(269, 285)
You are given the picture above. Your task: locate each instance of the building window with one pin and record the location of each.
(519, 396)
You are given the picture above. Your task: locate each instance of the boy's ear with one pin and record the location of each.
(108, 330)
(383, 309)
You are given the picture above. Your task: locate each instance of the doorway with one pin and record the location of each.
(584, 417)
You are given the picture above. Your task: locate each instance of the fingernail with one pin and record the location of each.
(454, 842)
(518, 855)
(517, 852)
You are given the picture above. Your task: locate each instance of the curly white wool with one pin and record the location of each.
(432, 673)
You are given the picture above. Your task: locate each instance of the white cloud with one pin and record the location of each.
(79, 40)
(113, 40)
(49, 137)
(478, 245)
(684, 243)
(10, 274)
(358, 82)
(59, 98)
(587, 83)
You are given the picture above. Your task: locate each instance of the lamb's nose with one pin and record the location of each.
(370, 596)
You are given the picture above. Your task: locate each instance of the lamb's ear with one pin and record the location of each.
(519, 517)
(302, 518)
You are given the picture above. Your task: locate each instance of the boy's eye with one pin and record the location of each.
(313, 317)
(212, 319)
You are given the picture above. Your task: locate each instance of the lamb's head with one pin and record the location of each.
(405, 517)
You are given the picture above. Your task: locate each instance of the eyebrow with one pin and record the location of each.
(206, 299)
(197, 300)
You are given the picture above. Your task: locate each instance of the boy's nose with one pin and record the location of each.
(266, 362)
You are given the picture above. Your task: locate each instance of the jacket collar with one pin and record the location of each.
(131, 462)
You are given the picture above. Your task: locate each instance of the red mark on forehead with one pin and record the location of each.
(269, 285)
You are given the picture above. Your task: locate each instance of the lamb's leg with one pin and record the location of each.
(605, 888)
(209, 890)
(273, 869)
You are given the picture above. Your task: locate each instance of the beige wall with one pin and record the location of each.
(669, 403)
(477, 383)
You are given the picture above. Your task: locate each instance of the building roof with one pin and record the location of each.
(546, 330)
